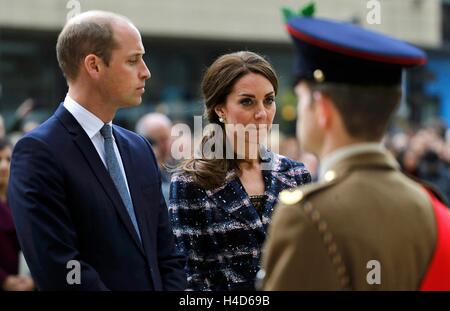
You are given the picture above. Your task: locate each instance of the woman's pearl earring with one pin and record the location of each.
(221, 119)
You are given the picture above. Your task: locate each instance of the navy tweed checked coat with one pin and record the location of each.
(220, 231)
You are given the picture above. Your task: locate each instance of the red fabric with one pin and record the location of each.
(437, 278)
(9, 246)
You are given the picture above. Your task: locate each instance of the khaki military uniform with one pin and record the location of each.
(326, 236)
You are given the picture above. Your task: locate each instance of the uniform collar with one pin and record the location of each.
(352, 154)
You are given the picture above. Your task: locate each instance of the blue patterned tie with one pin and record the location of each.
(116, 174)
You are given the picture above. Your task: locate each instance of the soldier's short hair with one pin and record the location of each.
(365, 110)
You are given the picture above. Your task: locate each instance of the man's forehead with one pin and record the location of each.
(128, 37)
(126, 29)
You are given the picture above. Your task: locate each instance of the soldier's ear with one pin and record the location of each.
(324, 111)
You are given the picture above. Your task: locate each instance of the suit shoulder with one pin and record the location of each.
(127, 133)
(138, 142)
(39, 136)
(44, 131)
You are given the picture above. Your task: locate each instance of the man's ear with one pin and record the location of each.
(92, 64)
(324, 110)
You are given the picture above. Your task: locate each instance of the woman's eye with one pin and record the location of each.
(246, 101)
(269, 100)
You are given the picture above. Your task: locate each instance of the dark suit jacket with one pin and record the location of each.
(66, 207)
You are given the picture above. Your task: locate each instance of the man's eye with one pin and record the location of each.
(132, 61)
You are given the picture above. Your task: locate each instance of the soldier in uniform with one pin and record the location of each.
(364, 225)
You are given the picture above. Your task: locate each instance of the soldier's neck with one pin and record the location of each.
(332, 144)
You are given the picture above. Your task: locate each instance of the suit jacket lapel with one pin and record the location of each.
(93, 159)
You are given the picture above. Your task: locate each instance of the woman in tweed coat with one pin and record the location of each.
(220, 208)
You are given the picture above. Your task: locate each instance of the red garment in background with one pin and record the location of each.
(9, 246)
(437, 278)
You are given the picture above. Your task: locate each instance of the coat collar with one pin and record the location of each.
(347, 151)
(369, 160)
(234, 200)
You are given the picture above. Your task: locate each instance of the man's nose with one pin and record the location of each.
(146, 74)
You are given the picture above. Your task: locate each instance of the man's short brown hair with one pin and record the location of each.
(365, 110)
(81, 37)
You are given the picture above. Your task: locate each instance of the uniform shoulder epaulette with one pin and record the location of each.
(296, 195)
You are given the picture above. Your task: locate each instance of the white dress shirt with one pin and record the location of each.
(345, 152)
(91, 124)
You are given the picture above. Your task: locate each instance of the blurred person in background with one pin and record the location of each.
(9, 245)
(29, 125)
(409, 162)
(24, 109)
(424, 155)
(290, 148)
(433, 170)
(221, 207)
(156, 128)
(2, 127)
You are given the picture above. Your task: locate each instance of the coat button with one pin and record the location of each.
(327, 238)
(322, 227)
(341, 270)
(337, 259)
(332, 249)
(315, 216)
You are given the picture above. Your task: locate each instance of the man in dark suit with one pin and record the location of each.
(86, 194)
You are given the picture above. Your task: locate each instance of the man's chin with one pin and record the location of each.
(133, 103)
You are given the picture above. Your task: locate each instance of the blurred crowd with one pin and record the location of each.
(424, 153)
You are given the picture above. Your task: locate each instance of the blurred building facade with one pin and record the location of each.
(182, 37)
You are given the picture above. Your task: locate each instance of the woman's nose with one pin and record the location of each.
(260, 113)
